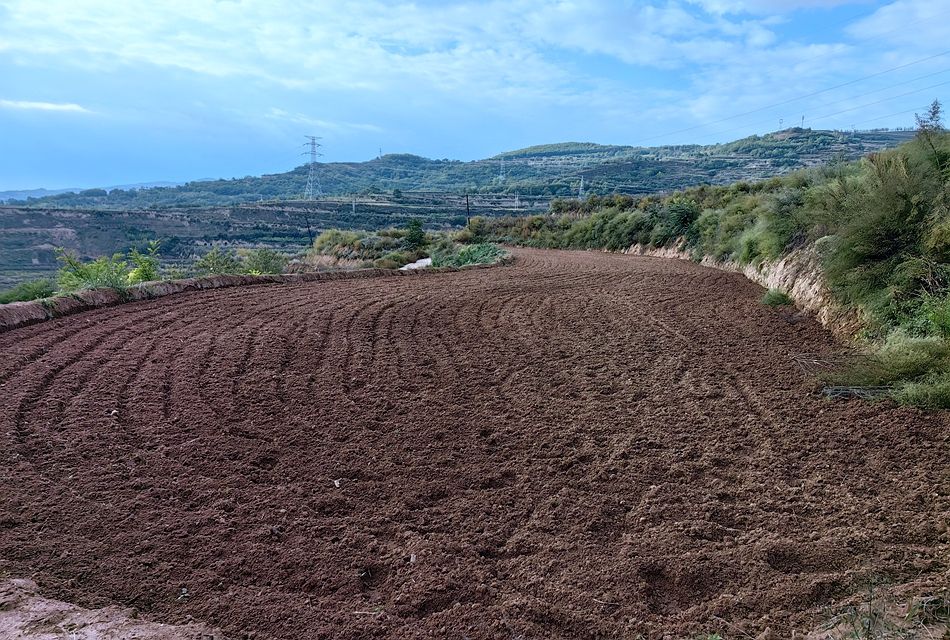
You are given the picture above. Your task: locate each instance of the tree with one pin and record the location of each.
(217, 262)
(415, 236)
(262, 261)
(929, 128)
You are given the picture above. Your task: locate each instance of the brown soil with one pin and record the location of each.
(24, 615)
(577, 445)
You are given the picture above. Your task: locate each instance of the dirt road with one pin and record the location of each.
(577, 445)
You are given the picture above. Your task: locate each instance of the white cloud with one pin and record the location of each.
(769, 7)
(494, 45)
(26, 105)
(502, 56)
(281, 115)
(913, 24)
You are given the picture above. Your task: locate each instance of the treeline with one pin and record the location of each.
(881, 226)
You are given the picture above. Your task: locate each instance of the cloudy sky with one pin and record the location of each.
(103, 92)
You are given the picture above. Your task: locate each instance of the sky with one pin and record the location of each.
(103, 92)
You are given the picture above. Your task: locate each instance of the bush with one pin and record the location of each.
(936, 313)
(483, 253)
(217, 262)
(25, 291)
(394, 260)
(332, 241)
(415, 237)
(776, 298)
(103, 272)
(265, 261)
(931, 393)
(900, 359)
(146, 264)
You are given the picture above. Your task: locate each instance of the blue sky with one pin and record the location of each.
(102, 92)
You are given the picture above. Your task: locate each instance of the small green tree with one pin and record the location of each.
(265, 261)
(103, 272)
(415, 237)
(146, 264)
(929, 128)
(217, 262)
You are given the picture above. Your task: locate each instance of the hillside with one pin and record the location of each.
(546, 170)
(30, 235)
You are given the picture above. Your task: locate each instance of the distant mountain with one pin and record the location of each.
(33, 193)
(545, 170)
(9, 196)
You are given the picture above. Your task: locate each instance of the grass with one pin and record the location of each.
(917, 368)
(452, 255)
(776, 298)
(30, 290)
(882, 617)
(384, 249)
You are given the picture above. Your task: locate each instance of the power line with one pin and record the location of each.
(871, 104)
(797, 98)
(829, 115)
(891, 115)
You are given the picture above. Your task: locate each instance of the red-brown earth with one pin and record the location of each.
(577, 445)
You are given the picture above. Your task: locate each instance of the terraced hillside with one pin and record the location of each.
(30, 235)
(578, 445)
(546, 170)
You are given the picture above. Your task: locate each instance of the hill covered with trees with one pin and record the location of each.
(540, 171)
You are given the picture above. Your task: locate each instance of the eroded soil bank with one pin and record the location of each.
(577, 445)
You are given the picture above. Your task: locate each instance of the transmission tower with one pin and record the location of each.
(314, 190)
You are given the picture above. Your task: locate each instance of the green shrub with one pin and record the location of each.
(415, 237)
(900, 359)
(932, 392)
(146, 264)
(331, 240)
(776, 298)
(265, 261)
(25, 291)
(387, 263)
(103, 272)
(483, 253)
(394, 260)
(217, 262)
(936, 311)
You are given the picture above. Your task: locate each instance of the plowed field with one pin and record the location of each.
(576, 445)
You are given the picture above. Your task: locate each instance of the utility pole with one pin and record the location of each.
(468, 212)
(309, 230)
(354, 204)
(313, 180)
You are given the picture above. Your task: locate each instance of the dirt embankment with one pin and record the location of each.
(799, 274)
(579, 445)
(21, 314)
